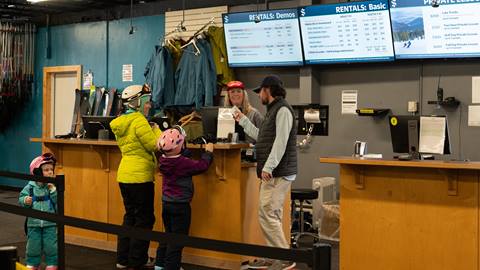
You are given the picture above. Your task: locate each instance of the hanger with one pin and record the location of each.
(194, 43)
(178, 29)
(211, 21)
(189, 117)
(170, 44)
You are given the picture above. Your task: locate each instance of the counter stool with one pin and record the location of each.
(301, 195)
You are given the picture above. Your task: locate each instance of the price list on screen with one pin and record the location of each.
(348, 32)
(270, 38)
(450, 30)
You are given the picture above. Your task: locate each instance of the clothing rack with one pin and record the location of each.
(210, 22)
(179, 28)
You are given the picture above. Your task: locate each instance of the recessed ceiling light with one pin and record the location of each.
(35, 1)
(11, 6)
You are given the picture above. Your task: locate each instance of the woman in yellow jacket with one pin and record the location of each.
(137, 142)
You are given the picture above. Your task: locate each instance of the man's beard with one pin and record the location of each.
(265, 101)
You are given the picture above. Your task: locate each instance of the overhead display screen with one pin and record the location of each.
(443, 29)
(347, 32)
(264, 38)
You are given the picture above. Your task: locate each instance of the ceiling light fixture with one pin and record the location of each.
(11, 6)
(257, 16)
(132, 28)
(36, 1)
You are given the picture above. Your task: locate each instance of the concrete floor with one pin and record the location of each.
(76, 257)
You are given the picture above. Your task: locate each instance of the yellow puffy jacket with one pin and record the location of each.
(136, 140)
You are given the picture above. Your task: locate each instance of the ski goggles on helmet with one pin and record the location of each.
(181, 130)
(49, 157)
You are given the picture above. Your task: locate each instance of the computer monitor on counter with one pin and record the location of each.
(413, 134)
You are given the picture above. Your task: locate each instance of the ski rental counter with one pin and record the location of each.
(224, 206)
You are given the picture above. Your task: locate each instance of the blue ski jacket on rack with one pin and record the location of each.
(159, 75)
(195, 77)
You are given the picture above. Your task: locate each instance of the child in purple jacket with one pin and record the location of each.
(177, 169)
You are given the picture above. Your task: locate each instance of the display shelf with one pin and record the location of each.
(452, 102)
(372, 112)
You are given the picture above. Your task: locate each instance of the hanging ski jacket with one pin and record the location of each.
(136, 140)
(43, 200)
(195, 77)
(219, 52)
(209, 74)
(159, 75)
(175, 48)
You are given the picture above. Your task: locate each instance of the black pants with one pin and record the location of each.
(138, 202)
(176, 219)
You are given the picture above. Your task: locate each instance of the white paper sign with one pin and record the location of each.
(349, 101)
(226, 123)
(87, 80)
(474, 116)
(475, 89)
(432, 134)
(127, 73)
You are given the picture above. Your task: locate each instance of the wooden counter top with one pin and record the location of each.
(74, 141)
(220, 146)
(440, 164)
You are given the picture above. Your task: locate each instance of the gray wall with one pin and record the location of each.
(387, 85)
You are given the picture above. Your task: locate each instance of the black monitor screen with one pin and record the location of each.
(92, 124)
(405, 134)
(404, 130)
(209, 121)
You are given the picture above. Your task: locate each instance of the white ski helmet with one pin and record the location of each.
(132, 94)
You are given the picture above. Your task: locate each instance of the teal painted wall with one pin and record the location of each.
(133, 49)
(102, 47)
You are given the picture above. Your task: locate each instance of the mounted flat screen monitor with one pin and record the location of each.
(449, 30)
(347, 32)
(266, 38)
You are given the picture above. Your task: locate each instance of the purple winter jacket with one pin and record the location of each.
(177, 175)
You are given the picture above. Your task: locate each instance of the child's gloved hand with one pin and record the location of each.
(27, 200)
(209, 147)
(51, 187)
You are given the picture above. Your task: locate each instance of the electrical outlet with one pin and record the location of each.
(412, 106)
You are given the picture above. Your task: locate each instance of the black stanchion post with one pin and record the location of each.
(321, 256)
(8, 257)
(60, 182)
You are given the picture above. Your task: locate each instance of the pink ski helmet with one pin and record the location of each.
(171, 139)
(37, 163)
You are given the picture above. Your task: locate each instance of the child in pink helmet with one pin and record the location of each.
(41, 234)
(177, 169)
